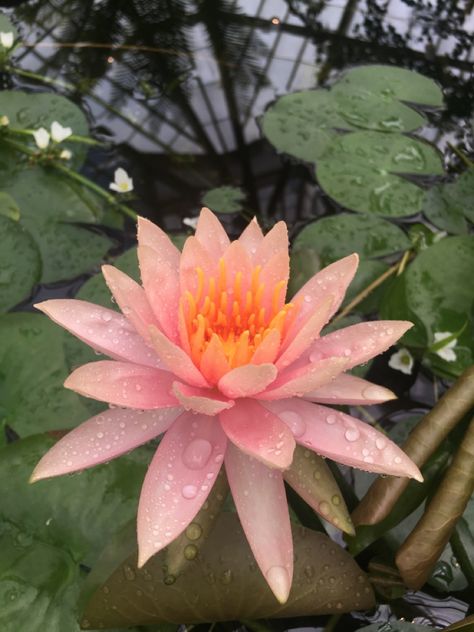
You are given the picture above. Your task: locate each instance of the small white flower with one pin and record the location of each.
(191, 222)
(4, 121)
(41, 137)
(7, 39)
(65, 154)
(123, 183)
(59, 133)
(447, 352)
(439, 235)
(402, 361)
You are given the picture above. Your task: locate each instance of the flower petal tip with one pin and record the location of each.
(280, 583)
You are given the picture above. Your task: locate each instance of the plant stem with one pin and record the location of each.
(331, 624)
(461, 156)
(255, 626)
(75, 138)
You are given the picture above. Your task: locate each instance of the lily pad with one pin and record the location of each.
(49, 529)
(223, 583)
(443, 212)
(20, 264)
(363, 172)
(8, 207)
(32, 371)
(224, 199)
(340, 235)
(32, 110)
(303, 124)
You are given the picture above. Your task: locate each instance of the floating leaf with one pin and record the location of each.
(224, 583)
(224, 199)
(48, 529)
(32, 110)
(370, 97)
(301, 124)
(439, 210)
(32, 371)
(304, 263)
(362, 171)
(340, 235)
(20, 264)
(460, 194)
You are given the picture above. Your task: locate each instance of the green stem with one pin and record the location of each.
(461, 156)
(24, 149)
(331, 624)
(36, 77)
(75, 138)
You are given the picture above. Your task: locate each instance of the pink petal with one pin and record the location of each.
(123, 384)
(345, 439)
(259, 433)
(211, 234)
(350, 390)
(237, 260)
(359, 343)
(259, 496)
(201, 400)
(333, 279)
(174, 357)
(131, 298)
(309, 331)
(195, 256)
(102, 329)
(277, 269)
(268, 349)
(103, 438)
(275, 241)
(178, 481)
(251, 238)
(247, 380)
(161, 285)
(304, 379)
(151, 236)
(214, 363)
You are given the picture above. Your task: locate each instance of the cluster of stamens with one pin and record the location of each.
(235, 316)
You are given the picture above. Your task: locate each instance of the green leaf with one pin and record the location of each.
(367, 272)
(20, 264)
(302, 124)
(340, 235)
(47, 203)
(440, 212)
(49, 528)
(362, 171)
(224, 199)
(304, 263)
(32, 371)
(32, 110)
(8, 207)
(460, 194)
(223, 582)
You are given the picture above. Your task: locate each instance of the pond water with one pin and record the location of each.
(177, 89)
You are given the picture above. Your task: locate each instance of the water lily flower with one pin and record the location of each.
(7, 39)
(59, 133)
(65, 154)
(4, 121)
(208, 352)
(402, 361)
(447, 351)
(41, 137)
(123, 183)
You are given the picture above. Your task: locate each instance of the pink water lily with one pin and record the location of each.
(208, 352)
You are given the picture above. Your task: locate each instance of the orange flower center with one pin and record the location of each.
(238, 319)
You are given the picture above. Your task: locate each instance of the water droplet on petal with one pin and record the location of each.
(331, 419)
(352, 434)
(397, 459)
(197, 454)
(190, 552)
(380, 443)
(106, 317)
(189, 491)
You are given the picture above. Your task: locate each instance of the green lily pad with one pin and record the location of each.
(224, 199)
(370, 97)
(340, 235)
(48, 529)
(440, 210)
(363, 172)
(32, 110)
(223, 582)
(302, 124)
(460, 194)
(32, 371)
(20, 264)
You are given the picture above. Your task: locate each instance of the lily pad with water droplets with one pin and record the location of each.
(224, 199)
(32, 110)
(364, 172)
(449, 205)
(20, 263)
(49, 529)
(225, 583)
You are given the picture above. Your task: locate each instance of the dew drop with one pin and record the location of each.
(189, 491)
(129, 572)
(380, 443)
(197, 454)
(397, 459)
(352, 434)
(194, 531)
(324, 508)
(190, 552)
(106, 317)
(331, 419)
(307, 298)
